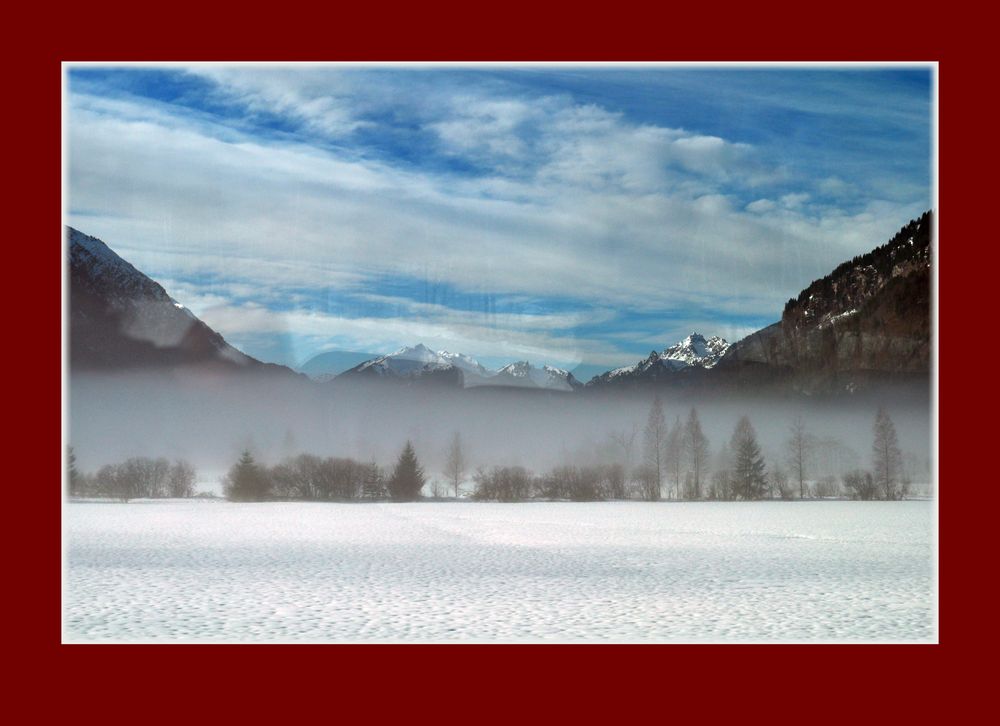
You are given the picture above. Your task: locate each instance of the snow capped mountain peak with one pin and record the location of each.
(696, 350)
(418, 352)
(519, 369)
(464, 362)
(550, 377)
(418, 361)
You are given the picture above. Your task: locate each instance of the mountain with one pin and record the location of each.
(695, 352)
(867, 320)
(525, 375)
(121, 319)
(330, 363)
(417, 363)
(420, 364)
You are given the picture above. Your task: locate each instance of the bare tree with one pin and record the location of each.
(655, 445)
(799, 448)
(696, 451)
(826, 486)
(613, 483)
(180, 480)
(625, 442)
(455, 465)
(721, 482)
(779, 484)
(675, 457)
(503, 484)
(860, 484)
(887, 460)
(110, 481)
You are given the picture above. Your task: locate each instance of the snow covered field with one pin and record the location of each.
(463, 571)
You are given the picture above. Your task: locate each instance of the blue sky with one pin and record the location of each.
(578, 216)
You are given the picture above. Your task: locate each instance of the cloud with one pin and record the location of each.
(560, 201)
(381, 334)
(320, 100)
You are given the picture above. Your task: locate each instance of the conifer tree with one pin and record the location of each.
(749, 475)
(408, 477)
(246, 481)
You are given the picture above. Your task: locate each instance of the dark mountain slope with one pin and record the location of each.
(869, 319)
(121, 319)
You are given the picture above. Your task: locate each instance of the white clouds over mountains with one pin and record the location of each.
(535, 195)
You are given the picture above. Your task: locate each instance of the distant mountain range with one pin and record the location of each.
(420, 364)
(868, 320)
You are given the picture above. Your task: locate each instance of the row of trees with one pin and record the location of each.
(675, 459)
(309, 477)
(682, 453)
(678, 457)
(138, 477)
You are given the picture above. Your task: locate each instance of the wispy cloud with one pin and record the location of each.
(320, 187)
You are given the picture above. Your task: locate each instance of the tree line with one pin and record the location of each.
(308, 477)
(135, 478)
(676, 463)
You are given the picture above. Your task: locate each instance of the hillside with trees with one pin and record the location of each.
(866, 321)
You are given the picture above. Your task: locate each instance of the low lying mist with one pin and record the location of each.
(209, 420)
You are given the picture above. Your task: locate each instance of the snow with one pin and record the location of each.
(463, 571)
(547, 376)
(835, 318)
(464, 362)
(695, 350)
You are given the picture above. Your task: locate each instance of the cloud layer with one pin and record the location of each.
(359, 209)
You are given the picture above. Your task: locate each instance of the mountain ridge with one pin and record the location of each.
(122, 319)
(869, 319)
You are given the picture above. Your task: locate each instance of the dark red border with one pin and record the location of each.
(616, 683)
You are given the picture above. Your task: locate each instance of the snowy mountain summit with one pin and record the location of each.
(419, 362)
(694, 352)
(408, 361)
(522, 373)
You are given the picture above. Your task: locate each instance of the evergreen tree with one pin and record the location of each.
(408, 477)
(247, 481)
(749, 475)
(74, 474)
